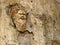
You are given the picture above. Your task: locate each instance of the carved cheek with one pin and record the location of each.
(21, 25)
(20, 22)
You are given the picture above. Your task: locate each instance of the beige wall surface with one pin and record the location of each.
(29, 22)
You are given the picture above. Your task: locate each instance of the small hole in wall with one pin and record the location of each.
(31, 9)
(5, 36)
(35, 23)
(55, 27)
(54, 22)
(19, 43)
(33, 38)
(27, 13)
(31, 26)
(31, 1)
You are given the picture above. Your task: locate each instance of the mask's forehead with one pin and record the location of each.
(13, 11)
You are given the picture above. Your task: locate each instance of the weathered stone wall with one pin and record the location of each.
(40, 24)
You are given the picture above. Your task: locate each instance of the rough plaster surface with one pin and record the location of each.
(42, 23)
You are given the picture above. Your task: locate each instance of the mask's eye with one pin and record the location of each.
(23, 17)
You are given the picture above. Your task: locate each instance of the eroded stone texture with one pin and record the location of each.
(42, 24)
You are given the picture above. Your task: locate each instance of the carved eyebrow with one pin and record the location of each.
(22, 14)
(13, 5)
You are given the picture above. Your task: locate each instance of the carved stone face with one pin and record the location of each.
(19, 18)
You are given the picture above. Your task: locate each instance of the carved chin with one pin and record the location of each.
(21, 27)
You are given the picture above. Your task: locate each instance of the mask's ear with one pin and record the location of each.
(11, 12)
(8, 10)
